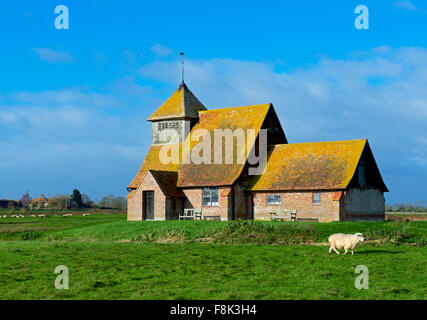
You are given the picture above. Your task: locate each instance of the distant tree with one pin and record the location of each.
(87, 202)
(118, 203)
(76, 199)
(11, 205)
(112, 202)
(61, 201)
(25, 200)
(409, 208)
(106, 202)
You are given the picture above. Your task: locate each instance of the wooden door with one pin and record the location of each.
(148, 201)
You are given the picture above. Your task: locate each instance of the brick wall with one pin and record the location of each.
(194, 200)
(327, 210)
(135, 204)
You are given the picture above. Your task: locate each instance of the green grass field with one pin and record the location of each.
(110, 258)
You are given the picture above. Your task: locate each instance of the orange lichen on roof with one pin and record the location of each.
(131, 194)
(310, 166)
(152, 161)
(245, 118)
(181, 104)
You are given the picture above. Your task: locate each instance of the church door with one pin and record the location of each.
(148, 201)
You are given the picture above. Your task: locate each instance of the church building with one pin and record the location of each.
(318, 181)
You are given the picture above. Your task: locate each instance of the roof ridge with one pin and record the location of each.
(228, 108)
(333, 141)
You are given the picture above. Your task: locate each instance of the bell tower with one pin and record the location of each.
(178, 112)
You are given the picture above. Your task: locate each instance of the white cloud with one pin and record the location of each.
(52, 56)
(65, 97)
(99, 57)
(405, 4)
(160, 50)
(378, 95)
(55, 141)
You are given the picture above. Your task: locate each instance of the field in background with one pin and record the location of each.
(110, 258)
(406, 216)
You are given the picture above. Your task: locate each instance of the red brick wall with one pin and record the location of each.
(134, 207)
(327, 210)
(135, 204)
(194, 200)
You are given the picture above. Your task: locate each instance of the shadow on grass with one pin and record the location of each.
(372, 251)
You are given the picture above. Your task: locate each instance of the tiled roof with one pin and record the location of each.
(41, 199)
(249, 117)
(310, 166)
(152, 162)
(181, 104)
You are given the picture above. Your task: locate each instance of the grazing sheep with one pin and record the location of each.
(344, 241)
(40, 215)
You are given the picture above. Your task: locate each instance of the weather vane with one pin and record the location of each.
(182, 71)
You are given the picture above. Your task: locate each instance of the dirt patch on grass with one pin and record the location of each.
(171, 239)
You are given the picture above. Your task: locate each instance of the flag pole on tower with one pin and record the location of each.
(182, 66)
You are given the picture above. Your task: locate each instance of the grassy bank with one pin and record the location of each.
(207, 271)
(110, 258)
(116, 228)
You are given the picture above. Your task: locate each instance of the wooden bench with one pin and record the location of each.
(212, 217)
(290, 215)
(191, 214)
(309, 219)
(198, 214)
(187, 215)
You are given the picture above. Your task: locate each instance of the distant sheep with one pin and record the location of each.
(344, 241)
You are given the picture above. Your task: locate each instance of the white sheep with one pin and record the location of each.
(344, 241)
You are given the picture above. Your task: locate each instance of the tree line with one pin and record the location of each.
(418, 206)
(76, 200)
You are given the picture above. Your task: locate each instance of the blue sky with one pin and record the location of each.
(73, 103)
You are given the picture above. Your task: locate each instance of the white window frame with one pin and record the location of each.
(209, 193)
(277, 199)
(316, 201)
